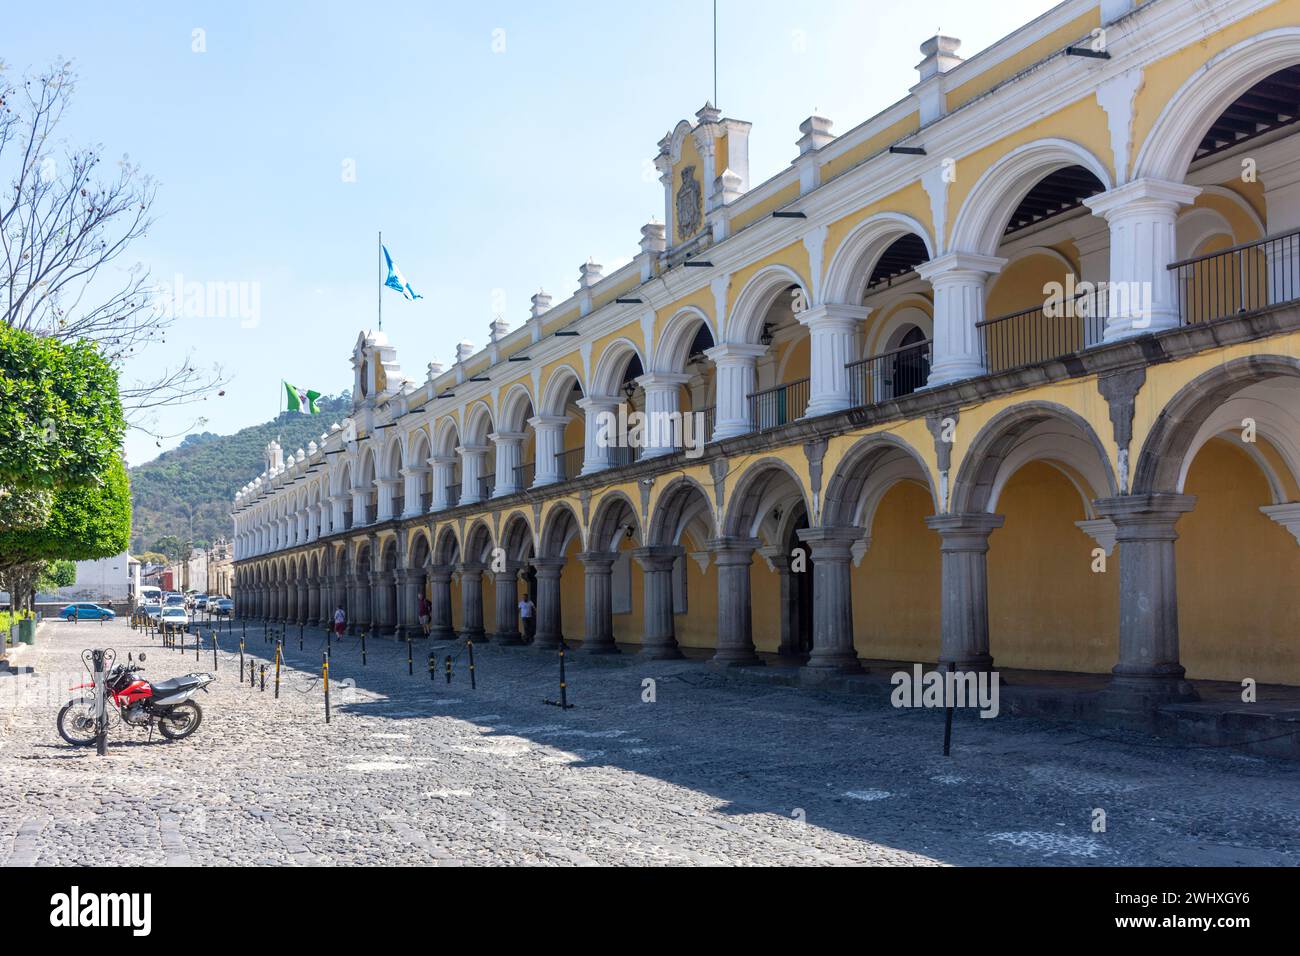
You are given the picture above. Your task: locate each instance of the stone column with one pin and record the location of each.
(506, 597)
(550, 631)
(599, 602)
(733, 557)
(597, 453)
(509, 450)
(549, 430)
(471, 601)
(780, 561)
(663, 433)
(440, 597)
(1143, 293)
(315, 613)
(413, 479)
(833, 650)
(834, 341)
(409, 583)
(304, 606)
(958, 280)
(378, 602)
(964, 594)
(471, 469)
(359, 605)
(1148, 666)
(361, 515)
(735, 381)
(659, 631)
(444, 470)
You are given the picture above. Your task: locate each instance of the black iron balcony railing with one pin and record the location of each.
(1244, 278)
(398, 505)
(774, 407)
(569, 463)
(486, 485)
(426, 502)
(891, 374)
(453, 495)
(525, 475)
(710, 420)
(1043, 333)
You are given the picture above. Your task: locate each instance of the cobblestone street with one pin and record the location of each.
(713, 771)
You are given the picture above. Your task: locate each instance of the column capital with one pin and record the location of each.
(598, 402)
(732, 550)
(965, 531)
(832, 315)
(830, 543)
(657, 557)
(466, 451)
(548, 567)
(1140, 198)
(953, 266)
(1144, 517)
(735, 352)
(471, 567)
(663, 379)
(549, 421)
(502, 438)
(598, 562)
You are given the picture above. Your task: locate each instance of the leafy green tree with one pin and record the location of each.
(60, 415)
(57, 574)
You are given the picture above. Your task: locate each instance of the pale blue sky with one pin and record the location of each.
(485, 170)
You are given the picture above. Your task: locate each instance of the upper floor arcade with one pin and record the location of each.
(1102, 176)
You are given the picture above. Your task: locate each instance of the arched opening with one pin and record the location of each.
(616, 531)
(681, 526)
(683, 351)
(516, 443)
(561, 428)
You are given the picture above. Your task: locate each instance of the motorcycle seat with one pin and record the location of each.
(165, 688)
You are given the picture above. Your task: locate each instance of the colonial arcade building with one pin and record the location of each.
(1007, 375)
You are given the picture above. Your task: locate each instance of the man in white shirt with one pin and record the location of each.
(527, 613)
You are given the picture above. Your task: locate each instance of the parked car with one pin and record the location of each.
(174, 600)
(174, 617)
(87, 612)
(200, 602)
(222, 607)
(152, 610)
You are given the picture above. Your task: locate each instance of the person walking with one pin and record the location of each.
(340, 622)
(528, 614)
(426, 610)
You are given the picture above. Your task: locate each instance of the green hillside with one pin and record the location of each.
(202, 475)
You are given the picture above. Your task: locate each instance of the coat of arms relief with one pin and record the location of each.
(690, 204)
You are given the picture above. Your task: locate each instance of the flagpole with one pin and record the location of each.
(381, 280)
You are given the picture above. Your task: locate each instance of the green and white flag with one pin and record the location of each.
(302, 400)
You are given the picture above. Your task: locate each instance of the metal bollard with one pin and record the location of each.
(410, 661)
(433, 666)
(473, 684)
(277, 672)
(947, 717)
(448, 668)
(325, 672)
(215, 665)
(263, 669)
(363, 646)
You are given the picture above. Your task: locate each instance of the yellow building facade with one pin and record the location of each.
(1006, 376)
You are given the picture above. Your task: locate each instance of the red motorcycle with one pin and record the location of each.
(139, 703)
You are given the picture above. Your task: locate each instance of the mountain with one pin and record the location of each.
(201, 475)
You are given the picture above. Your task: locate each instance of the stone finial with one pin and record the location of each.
(498, 329)
(940, 54)
(312, 448)
(816, 132)
(653, 237)
(300, 454)
(589, 273)
(541, 304)
(708, 113)
(729, 187)
(464, 349)
(335, 427)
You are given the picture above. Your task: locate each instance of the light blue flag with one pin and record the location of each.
(395, 280)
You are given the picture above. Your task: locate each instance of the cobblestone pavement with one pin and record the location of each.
(713, 771)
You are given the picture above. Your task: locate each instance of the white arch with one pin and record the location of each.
(1197, 224)
(984, 215)
(478, 423)
(745, 324)
(1171, 143)
(909, 309)
(447, 438)
(1058, 446)
(555, 398)
(669, 354)
(851, 266)
(609, 367)
(1273, 408)
(512, 417)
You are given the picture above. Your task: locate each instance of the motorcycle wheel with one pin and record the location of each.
(77, 722)
(180, 721)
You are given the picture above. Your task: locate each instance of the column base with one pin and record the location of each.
(834, 664)
(1146, 692)
(442, 634)
(661, 652)
(975, 662)
(599, 647)
(547, 642)
(477, 635)
(736, 659)
(507, 638)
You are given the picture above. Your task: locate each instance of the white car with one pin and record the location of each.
(175, 617)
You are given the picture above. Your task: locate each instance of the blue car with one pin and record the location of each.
(87, 612)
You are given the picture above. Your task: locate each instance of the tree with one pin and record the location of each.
(61, 224)
(60, 416)
(57, 574)
(173, 547)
